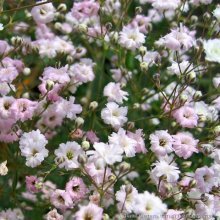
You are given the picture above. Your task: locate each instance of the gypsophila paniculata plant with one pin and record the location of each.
(109, 109)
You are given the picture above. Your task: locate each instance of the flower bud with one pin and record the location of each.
(206, 16)
(108, 26)
(207, 148)
(128, 189)
(192, 183)
(124, 167)
(85, 145)
(93, 105)
(81, 159)
(138, 10)
(49, 85)
(191, 76)
(106, 217)
(3, 168)
(144, 66)
(186, 164)
(130, 125)
(197, 95)
(202, 118)
(217, 130)
(142, 50)
(69, 59)
(26, 95)
(136, 106)
(58, 26)
(79, 121)
(84, 100)
(16, 41)
(62, 7)
(112, 178)
(26, 71)
(194, 19)
(82, 28)
(183, 98)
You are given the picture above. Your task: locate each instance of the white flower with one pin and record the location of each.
(32, 146)
(178, 69)
(126, 199)
(149, 204)
(212, 50)
(1, 27)
(114, 115)
(166, 169)
(114, 93)
(131, 38)
(121, 140)
(161, 142)
(108, 153)
(67, 155)
(3, 168)
(166, 5)
(216, 13)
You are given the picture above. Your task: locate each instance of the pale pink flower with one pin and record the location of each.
(138, 137)
(161, 142)
(91, 211)
(205, 178)
(43, 13)
(31, 184)
(53, 215)
(186, 117)
(61, 199)
(184, 144)
(131, 38)
(76, 189)
(92, 137)
(114, 93)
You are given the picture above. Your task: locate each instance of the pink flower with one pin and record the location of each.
(138, 137)
(91, 136)
(24, 109)
(61, 199)
(184, 144)
(84, 9)
(53, 215)
(43, 13)
(186, 117)
(56, 75)
(205, 178)
(91, 211)
(76, 189)
(31, 184)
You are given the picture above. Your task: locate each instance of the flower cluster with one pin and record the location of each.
(110, 109)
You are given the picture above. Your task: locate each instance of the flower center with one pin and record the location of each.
(69, 155)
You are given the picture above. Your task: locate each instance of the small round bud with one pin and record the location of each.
(138, 10)
(128, 189)
(112, 178)
(61, 7)
(69, 59)
(26, 95)
(16, 41)
(124, 167)
(142, 50)
(144, 66)
(197, 95)
(130, 125)
(206, 16)
(191, 76)
(136, 106)
(82, 28)
(79, 121)
(106, 217)
(39, 185)
(194, 18)
(85, 145)
(26, 71)
(207, 148)
(93, 105)
(114, 36)
(183, 98)
(145, 90)
(49, 85)
(202, 118)
(186, 164)
(192, 183)
(217, 130)
(84, 100)
(58, 26)
(81, 159)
